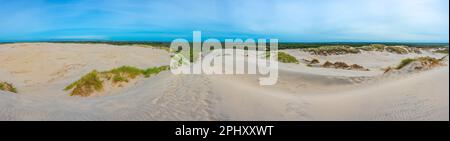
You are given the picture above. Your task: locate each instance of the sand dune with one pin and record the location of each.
(40, 71)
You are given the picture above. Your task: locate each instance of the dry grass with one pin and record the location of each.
(345, 66)
(332, 50)
(5, 86)
(441, 51)
(423, 60)
(391, 49)
(405, 62)
(373, 47)
(397, 49)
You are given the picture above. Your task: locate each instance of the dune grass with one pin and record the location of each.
(333, 50)
(122, 74)
(286, 58)
(155, 70)
(86, 85)
(397, 49)
(5, 86)
(373, 47)
(405, 62)
(94, 80)
(391, 49)
(443, 51)
(408, 61)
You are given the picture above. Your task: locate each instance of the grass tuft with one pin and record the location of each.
(86, 85)
(441, 51)
(426, 60)
(405, 62)
(94, 80)
(391, 49)
(333, 50)
(373, 47)
(5, 86)
(122, 74)
(118, 78)
(397, 49)
(286, 58)
(155, 70)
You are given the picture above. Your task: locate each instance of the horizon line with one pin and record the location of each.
(161, 41)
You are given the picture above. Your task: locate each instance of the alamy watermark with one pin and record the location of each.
(232, 57)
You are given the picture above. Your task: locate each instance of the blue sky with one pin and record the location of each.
(287, 20)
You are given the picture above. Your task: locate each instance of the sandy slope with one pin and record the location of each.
(423, 96)
(41, 70)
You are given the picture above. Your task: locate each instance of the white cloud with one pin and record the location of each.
(389, 20)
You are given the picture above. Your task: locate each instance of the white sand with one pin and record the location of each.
(41, 70)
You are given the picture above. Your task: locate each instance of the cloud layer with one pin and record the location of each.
(288, 20)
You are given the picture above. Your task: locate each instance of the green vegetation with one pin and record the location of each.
(392, 49)
(332, 50)
(427, 60)
(155, 70)
(94, 80)
(405, 62)
(1, 43)
(373, 47)
(282, 45)
(5, 86)
(124, 72)
(441, 51)
(345, 49)
(357, 44)
(86, 85)
(118, 78)
(286, 58)
(397, 49)
(342, 65)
